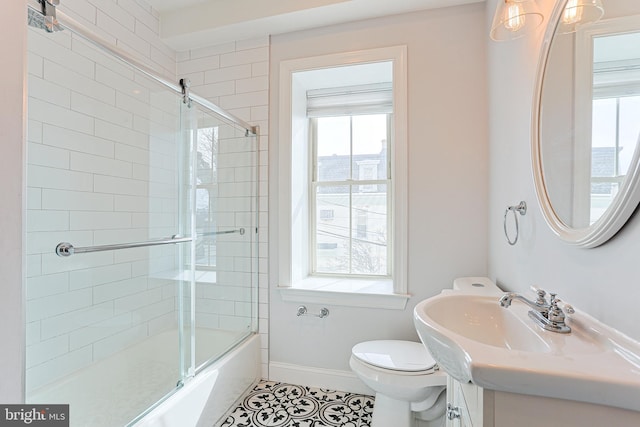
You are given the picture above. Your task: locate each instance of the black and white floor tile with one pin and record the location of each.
(273, 404)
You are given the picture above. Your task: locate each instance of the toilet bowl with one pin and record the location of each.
(406, 381)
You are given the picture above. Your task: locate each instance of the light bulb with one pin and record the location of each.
(572, 12)
(514, 17)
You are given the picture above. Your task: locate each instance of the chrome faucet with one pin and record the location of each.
(540, 304)
(548, 315)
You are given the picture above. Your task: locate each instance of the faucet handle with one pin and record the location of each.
(541, 294)
(561, 305)
(555, 312)
(567, 308)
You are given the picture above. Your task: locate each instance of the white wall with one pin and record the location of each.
(12, 125)
(447, 174)
(601, 281)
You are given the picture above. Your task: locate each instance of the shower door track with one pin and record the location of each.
(67, 22)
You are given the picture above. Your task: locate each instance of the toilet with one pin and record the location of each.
(403, 374)
(406, 380)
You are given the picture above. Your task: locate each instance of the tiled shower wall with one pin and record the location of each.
(91, 180)
(64, 142)
(131, 25)
(235, 76)
(101, 169)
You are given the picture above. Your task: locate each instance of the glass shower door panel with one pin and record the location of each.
(105, 166)
(226, 245)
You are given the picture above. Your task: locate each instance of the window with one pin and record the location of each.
(350, 176)
(615, 135)
(607, 100)
(342, 179)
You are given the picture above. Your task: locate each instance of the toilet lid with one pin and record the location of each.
(395, 355)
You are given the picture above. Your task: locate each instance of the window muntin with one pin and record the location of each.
(351, 177)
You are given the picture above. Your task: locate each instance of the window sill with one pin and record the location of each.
(345, 292)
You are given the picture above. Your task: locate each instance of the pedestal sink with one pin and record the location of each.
(481, 319)
(476, 340)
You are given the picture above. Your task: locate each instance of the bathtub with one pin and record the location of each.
(112, 393)
(206, 398)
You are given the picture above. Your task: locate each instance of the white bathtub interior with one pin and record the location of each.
(205, 400)
(112, 391)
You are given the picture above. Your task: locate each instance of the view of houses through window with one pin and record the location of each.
(350, 195)
(206, 196)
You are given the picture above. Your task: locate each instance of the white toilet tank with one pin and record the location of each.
(480, 285)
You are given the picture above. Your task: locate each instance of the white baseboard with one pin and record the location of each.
(318, 377)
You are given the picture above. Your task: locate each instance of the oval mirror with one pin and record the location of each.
(586, 119)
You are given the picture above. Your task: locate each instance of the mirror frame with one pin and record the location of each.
(623, 205)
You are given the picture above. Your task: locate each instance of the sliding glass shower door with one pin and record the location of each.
(107, 165)
(141, 232)
(225, 303)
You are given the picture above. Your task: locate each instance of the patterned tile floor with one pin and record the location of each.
(272, 404)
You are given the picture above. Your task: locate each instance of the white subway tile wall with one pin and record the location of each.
(132, 25)
(101, 169)
(235, 77)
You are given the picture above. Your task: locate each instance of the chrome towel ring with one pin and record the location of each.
(520, 208)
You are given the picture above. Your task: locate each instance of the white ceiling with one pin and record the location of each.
(186, 24)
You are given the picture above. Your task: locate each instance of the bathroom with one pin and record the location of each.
(469, 135)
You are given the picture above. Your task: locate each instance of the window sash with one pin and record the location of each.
(314, 185)
(350, 233)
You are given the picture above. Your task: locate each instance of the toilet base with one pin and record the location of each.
(391, 412)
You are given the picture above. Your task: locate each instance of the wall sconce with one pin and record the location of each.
(515, 19)
(579, 12)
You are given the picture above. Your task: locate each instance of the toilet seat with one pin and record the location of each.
(405, 379)
(400, 356)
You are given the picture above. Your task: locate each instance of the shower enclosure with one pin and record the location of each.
(141, 231)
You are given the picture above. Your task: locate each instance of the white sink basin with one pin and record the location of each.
(481, 319)
(476, 340)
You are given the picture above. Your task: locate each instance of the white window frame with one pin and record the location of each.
(295, 284)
